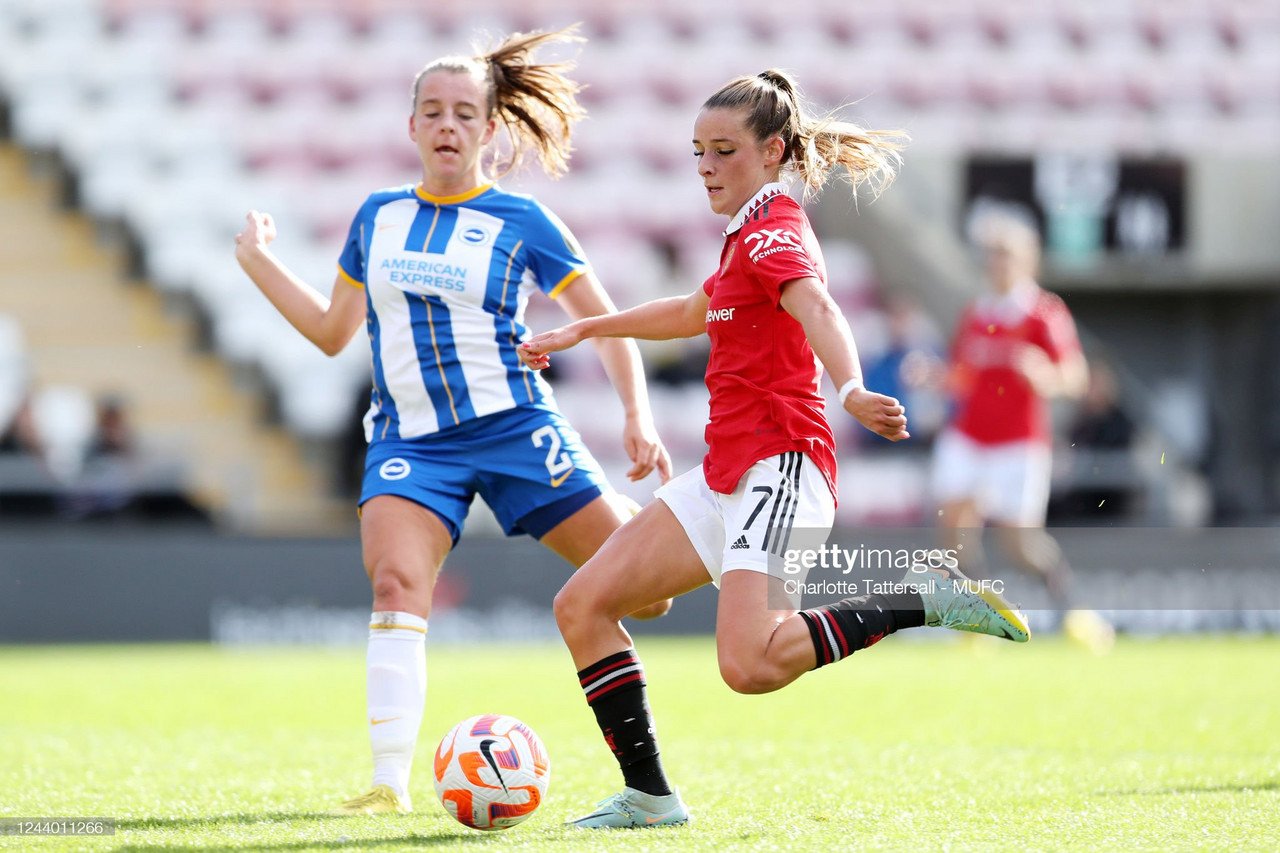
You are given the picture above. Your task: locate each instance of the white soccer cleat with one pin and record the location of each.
(634, 809)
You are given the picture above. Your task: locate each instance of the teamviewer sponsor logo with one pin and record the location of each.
(720, 314)
(394, 469)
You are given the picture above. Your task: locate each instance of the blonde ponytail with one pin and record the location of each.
(536, 103)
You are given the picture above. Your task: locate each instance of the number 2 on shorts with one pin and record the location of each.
(558, 461)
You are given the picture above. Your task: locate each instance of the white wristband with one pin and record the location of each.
(854, 384)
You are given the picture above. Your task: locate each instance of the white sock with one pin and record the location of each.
(397, 688)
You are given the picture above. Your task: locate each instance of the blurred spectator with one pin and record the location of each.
(1101, 422)
(108, 482)
(14, 371)
(907, 370)
(27, 488)
(113, 434)
(20, 436)
(352, 447)
(684, 364)
(1101, 430)
(63, 456)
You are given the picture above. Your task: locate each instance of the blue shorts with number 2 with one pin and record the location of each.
(528, 464)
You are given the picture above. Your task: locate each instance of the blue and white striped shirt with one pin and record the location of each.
(447, 280)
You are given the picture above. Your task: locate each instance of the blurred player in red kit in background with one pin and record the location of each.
(1015, 348)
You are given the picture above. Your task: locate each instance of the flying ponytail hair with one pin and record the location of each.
(812, 147)
(536, 103)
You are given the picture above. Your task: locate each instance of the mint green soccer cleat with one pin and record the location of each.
(634, 809)
(952, 600)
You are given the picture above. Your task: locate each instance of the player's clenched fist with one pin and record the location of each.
(259, 230)
(882, 415)
(536, 352)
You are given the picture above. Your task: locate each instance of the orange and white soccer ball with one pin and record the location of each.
(491, 772)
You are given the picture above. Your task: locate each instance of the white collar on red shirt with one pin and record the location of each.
(1012, 307)
(766, 192)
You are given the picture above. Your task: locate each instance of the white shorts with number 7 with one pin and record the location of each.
(743, 531)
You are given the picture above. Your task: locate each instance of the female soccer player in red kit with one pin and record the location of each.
(771, 463)
(1015, 348)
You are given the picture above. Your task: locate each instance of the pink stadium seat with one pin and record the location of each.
(1181, 27)
(155, 26)
(630, 266)
(283, 72)
(927, 85)
(408, 26)
(666, 143)
(1170, 84)
(1080, 86)
(236, 26)
(883, 42)
(1031, 31)
(1107, 29)
(1237, 88)
(999, 86)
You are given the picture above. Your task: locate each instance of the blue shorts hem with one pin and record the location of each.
(542, 520)
(455, 532)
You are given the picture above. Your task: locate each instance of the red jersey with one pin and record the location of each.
(995, 402)
(762, 374)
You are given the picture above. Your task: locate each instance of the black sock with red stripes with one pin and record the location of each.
(615, 691)
(838, 630)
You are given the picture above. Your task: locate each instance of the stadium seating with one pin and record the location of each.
(177, 116)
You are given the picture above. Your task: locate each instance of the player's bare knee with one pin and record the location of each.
(571, 612)
(653, 611)
(744, 680)
(392, 589)
(583, 603)
(750, 677)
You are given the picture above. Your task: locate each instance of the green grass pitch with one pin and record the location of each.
(1164, 744)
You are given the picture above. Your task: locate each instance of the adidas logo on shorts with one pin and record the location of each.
(740, 544)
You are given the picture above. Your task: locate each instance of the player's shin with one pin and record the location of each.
(397, 688)
(838, 630)
(615, 690)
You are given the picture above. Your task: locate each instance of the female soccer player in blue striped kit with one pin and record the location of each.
(440, 273)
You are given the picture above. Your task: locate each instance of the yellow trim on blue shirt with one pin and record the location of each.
(451, 199)
(444, 380)
(346, 276)
(564, 282)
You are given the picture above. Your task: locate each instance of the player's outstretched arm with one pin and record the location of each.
(586, 298)
(807, 300)
(327, 323)
(1067, 377)
(659, 320)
